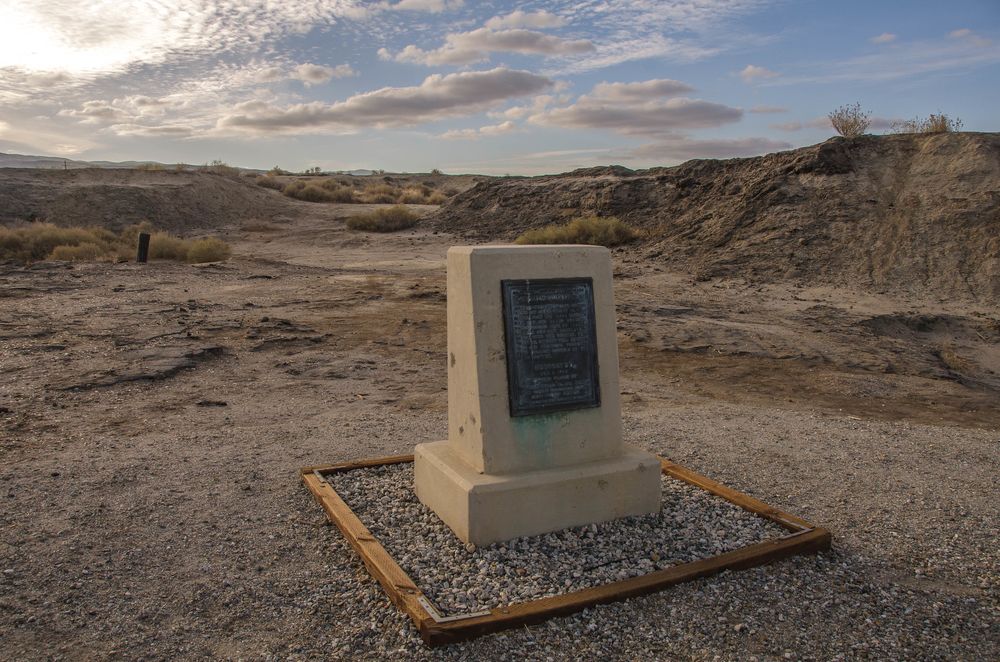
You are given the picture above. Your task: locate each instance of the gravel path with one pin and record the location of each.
(458, 578)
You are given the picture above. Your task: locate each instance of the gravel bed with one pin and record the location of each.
(692, 524)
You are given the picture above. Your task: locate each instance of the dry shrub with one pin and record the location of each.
(85, 252)
(412, 196)
(389, 219)
(208, 250)
(593, 230)
(850, 121)
(436, 198)
(939, 123)
(163, 246)
(41, 241)
(309, 192)
(267, 181)
(380, 194)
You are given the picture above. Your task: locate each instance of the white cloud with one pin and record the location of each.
(475, 134)
(884, 38)
(475, 46)
(647, 118)
(437, 97)
(316, 74)
(763, 110)
(641, 91)
(799, 125)
(752, 72)
(682, 148)
(521, 19)
(970, 37)
(432, 6)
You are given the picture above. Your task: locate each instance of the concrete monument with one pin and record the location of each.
(534, 417)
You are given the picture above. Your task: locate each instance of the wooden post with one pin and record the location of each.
(143, 254)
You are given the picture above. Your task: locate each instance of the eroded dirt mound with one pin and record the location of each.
(902, 213)
(119, 197)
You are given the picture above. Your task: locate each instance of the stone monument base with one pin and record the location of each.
(485, 508)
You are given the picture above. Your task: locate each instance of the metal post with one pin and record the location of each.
(143, 254)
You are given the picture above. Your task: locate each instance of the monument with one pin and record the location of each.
(534, 417)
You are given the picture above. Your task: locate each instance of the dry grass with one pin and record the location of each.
(389, 219)
(593, 230)
(267, 181)
(44, 241)
(332, 189)
(939, 123)
(208, 250)
(850, 121)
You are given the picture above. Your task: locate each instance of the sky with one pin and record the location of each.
(478, 87)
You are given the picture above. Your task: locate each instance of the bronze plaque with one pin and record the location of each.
(551, 338)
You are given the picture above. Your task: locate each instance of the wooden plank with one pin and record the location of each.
(397, 584)
(405, 593)
(357, 464)
(535, 611)
(746, 502)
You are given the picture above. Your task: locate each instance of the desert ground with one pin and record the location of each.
(154, 418)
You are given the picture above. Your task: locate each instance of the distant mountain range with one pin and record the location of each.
(59, 163)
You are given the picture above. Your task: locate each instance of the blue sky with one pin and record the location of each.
(487, 87)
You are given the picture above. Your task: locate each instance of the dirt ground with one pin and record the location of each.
(153, 418)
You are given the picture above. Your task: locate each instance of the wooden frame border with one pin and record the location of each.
(803, 538)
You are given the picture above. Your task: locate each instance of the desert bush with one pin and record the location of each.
(208, 250)
(436, 198)
(593, 230)
(267, 181)
(40, 241)
(939, 123)
(380, 194)
(85, 252)
(163, 246)
(309, 192)
(412, 196)
(389, 219)
(218, 167)
(850, 121)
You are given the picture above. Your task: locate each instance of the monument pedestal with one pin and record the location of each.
(486, 508)
(534, 417)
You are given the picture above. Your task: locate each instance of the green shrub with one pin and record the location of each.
(593, 230)
(850, 121)
(389, 219)
(939, 123)
(208, 250)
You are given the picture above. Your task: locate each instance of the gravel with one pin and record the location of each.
(459, 578)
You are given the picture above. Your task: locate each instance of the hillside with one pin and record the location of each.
(901, 213)
(115, 198)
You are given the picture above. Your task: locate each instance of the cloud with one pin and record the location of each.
(799, 125)
(647, 118)
(884, 38)
(95, 112)
(967, 35)
(752, 72)
(316, 74)
(642, 91)
(475, 134)
(768, 109)
(682, 148)
(437, 97)
(475, 46)
(432, 6)
(521, 19)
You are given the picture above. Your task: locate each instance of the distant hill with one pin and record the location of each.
(909, 212)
